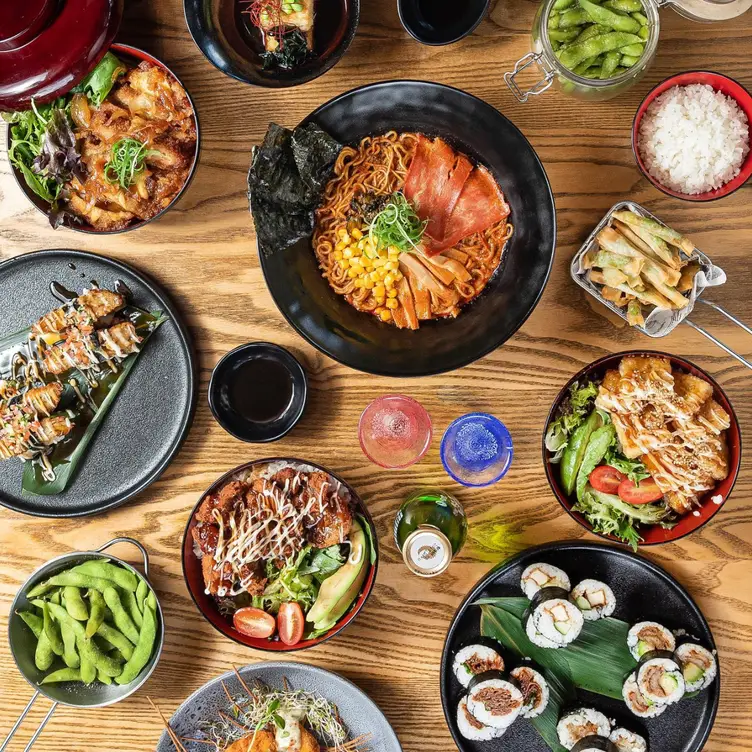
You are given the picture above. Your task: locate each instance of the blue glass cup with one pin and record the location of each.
(477, 450)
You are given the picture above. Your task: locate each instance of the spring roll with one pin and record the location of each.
(656, 228)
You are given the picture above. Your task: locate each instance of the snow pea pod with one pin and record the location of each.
(52, 630)
(74, 603)
(116, 638)
(121, 577)
(144, 648)
(34, 622)
(62, 675)
(606, 17)
(96, 612)
(575, 54)
(121, 617)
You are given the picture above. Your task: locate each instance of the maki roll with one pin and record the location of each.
(471, 728)
(554, 617)
(583, 724)
(534, 688)
(538, 639)
(699, 666)
(493, 700)
(628, 741)
(647, 636)
(473, 660)
(660, 679)
(595, 599)
(595, 744)
(538, 576)
(636, 702)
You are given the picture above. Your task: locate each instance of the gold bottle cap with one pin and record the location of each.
(427, 551)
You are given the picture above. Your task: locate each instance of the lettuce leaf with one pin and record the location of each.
(98, 84)
(571, 414)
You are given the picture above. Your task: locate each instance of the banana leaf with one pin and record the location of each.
(88, 416)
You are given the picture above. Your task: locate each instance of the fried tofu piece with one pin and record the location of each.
(120, 340)
(300, 19)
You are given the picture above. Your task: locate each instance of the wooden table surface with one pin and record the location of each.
(204, 253)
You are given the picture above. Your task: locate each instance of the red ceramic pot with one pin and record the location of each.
(206, 604)
(654, 534)
(719, 82)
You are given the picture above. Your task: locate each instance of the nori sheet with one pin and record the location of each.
(287, 177)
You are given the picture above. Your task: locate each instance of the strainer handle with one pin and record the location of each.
(133, 542)
(716, 341)
(20, 720)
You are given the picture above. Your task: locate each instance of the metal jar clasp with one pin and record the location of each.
(523, 63)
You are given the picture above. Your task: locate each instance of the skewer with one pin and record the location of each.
(173, 736)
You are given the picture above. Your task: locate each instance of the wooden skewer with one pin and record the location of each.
(229, 697)
(173, 736)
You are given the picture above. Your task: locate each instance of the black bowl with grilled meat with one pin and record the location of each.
(117, 165)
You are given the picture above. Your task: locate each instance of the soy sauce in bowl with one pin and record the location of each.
(438, 22)
(258, 392)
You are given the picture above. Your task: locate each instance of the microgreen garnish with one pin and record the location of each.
(126, 162)
(397, 225)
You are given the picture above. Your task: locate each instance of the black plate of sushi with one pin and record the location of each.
(583, 647)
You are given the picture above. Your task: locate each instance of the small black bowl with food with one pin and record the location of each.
(441, 22)
(258, 392)
(273, 43)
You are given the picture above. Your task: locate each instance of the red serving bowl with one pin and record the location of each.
(719, 82)
(207, 606)
(654, 534)
(132, 56)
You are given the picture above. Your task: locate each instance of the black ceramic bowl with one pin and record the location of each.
(362, 342)
(222, 31)
(227, 415)
(437, 23)
(131, 56)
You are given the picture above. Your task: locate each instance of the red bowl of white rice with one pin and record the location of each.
(691, 136)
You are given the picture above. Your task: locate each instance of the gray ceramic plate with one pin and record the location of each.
(359, 713)
(150, 417)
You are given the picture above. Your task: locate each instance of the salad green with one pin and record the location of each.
(572, 412)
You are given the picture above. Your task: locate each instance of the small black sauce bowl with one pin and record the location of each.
(239, 426)
(466, 22)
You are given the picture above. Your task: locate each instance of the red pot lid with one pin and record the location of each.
(47, 47)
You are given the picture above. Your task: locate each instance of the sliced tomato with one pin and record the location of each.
(290, 623)
(644, 492)
(254, 622)
(606, 479)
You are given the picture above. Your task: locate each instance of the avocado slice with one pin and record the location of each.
(340, 590)
(669, 683)
(643, 647)
(693, 673)
(583, 604)
(575, 452)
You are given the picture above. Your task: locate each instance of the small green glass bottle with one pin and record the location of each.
(430, 529)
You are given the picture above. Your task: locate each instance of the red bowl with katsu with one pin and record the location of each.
(280, 554)
(642, 447)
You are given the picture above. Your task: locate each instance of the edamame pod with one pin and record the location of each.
(555, 35)
(118, 639)
(74, 603)
(633, 50)
(151, 601)
(122, 620)
(55, 597)
(70, 655)
(40, 589)
(104, 678)
(62, 675)
(96, 612)
(627, 61)
(610, 18)
(553, 21)
(123, 578)
(573, 17)
(644, 33)
(610, 63)
(593, 30)
(575, 54)
(624, 6)
(563, 4)
(52, 630)
(34, 622)
(128, 599)
(143, 650)
(641, 18)
(81, 580)
(143, 589)
(43, 655)
(88, 669)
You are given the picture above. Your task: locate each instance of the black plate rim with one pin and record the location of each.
(592, 547)
(482, 353)
(188, 347)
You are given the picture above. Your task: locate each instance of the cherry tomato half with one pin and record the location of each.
(254, 622)
(606, 479)
(290, 623)
(644, 492)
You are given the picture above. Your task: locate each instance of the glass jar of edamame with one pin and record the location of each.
(596, 49)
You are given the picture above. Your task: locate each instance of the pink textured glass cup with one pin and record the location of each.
(395, 431)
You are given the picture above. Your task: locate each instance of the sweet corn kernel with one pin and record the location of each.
(346, 239)
(379, 291)
(391, 266)
(389, 279)
(338, 255)
(393, 250)
(356, 233)
(391, 293)
(370, 249)
(378, 309)
(347, 252)
(340, 246)
(345, 264)
(342, 232)
(358, 283)
(361, 244)
(369, 284)
(352, 273)
(378, 262)
(392, 303)
(385, 315)
(398, 275)
(368, 266)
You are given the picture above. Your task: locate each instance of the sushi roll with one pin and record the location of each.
(660, 679)
(534, 690)
(538, 576)
(555, 617)
(493, 700)
(473, 660)
(537, 638)
(699, 666)
(639, 705)
(595, 599)
(647, 636)
(582, 724)
(595, 744)
(471, 728)
(628, 741)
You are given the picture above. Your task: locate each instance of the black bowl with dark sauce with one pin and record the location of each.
(439, 22)
(258, 392)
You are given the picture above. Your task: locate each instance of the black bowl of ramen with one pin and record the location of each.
(273, 43)
(510, 290)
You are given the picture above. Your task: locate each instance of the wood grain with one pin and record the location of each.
(204, 249)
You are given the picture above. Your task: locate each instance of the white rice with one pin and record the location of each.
(693, 139)
(628, 741)
(495, 703)
(487, 659)
(538, 576)
(641, 706)
(471, 728)
(578, 724)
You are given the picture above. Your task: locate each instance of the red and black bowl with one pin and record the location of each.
(688, 523)
(207, 605)
(132, 56)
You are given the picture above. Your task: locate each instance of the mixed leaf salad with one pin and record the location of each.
(616, 495)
